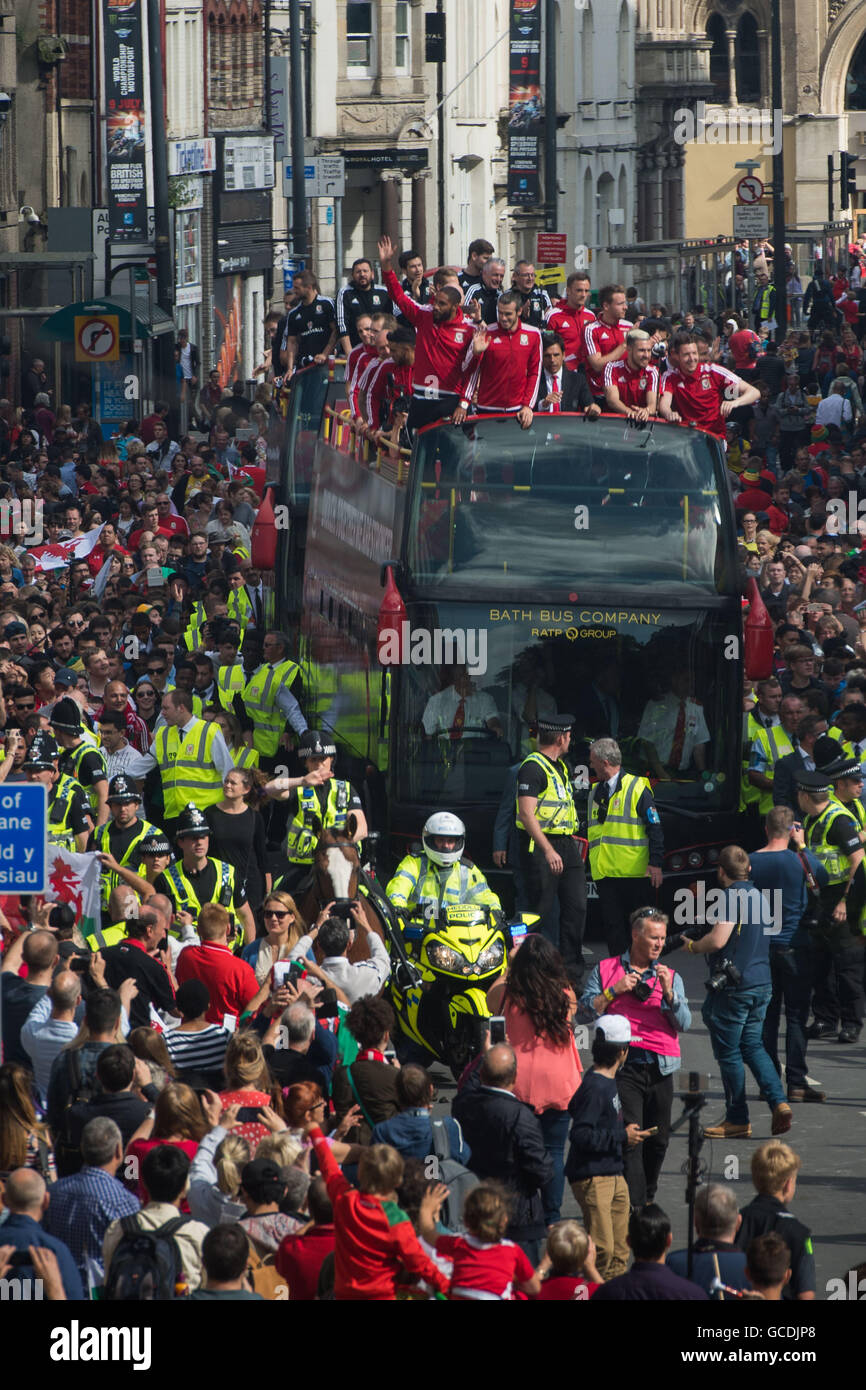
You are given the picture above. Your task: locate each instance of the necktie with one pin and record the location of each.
(679, 738)
(556, 408)
(459, 720)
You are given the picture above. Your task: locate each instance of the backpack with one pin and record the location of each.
(146, 1265)
(66, 1153)
(266, 1278)
(456, 1177)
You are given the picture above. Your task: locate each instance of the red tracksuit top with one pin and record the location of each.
(374, 1238)
(507, 374)
(357, 362)
(439, 347)
(570, 325)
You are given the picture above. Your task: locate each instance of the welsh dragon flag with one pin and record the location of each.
(62, 553)
(75, 879)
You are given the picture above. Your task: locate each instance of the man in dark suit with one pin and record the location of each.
(811, 728)
(507, 1144)
(561, 390)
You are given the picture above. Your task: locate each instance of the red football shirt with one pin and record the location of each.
(570, 324)
(231, 982)
(698, 397)
(600, 337)
(632, 385)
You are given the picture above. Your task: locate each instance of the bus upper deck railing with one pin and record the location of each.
(344, 434)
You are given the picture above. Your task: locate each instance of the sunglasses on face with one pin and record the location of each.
(272, 912)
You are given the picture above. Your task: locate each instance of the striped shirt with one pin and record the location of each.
(200, 1051)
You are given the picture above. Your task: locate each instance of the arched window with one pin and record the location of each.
(719, 73)
(606, 232)
(588, 209)
(623, 48)
(748, 60)
(855, 82)
(587, 83)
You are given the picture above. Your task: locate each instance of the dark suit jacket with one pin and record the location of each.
(784, 779)
(576, 394)
(507, 1144)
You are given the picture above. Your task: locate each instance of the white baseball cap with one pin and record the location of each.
(616, 1028)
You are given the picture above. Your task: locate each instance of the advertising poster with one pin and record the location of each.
(123, 82)
(524, 103)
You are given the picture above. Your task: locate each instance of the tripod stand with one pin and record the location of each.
(694, 1101)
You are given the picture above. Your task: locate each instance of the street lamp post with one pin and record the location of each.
(779, 261)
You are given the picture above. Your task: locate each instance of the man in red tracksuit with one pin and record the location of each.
(443, 336)
(374, 1238)
(569, 318)
(507, 370)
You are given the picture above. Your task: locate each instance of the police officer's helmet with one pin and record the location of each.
(42, 753)
(120, 791)
(191, 822)
(443, 825)
(313, 744)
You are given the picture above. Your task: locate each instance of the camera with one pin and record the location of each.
(642, 991)
(658, 351)
(726, 977)
(343, 909)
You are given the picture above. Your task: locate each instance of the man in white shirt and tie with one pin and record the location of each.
(675, 729)
(561, 390)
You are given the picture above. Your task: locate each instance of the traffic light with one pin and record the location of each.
(847, 178)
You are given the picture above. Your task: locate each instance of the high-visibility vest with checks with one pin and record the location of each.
(129, 858)
(618, 845)
(418, 881)
(555, 810)
(816, 829)
(186, 767)
(60, 831)
(185, 897)
(303, 831)
(75, 756)
(774, 743)
(260, 698)
(230, 681)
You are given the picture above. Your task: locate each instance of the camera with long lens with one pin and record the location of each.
(726, 977)
(658, 351)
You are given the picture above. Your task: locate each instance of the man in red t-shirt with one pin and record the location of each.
(569, 318)
(701, 393)
(300, 1257)
(631, 385)
(231, 983)
(605, 338)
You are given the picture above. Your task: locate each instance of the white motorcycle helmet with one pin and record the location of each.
(449, 826)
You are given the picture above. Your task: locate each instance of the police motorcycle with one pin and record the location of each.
(445, 957)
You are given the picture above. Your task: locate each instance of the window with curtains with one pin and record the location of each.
(360, 39)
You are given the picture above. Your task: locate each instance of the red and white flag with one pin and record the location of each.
(62, 553)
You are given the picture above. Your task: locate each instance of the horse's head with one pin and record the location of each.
(337, 863)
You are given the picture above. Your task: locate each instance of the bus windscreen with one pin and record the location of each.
(566, 503)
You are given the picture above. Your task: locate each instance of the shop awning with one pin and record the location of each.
(150, 320)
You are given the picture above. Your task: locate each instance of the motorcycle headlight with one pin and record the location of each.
(491, 957)
(443, 957)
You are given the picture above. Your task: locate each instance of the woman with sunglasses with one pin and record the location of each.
(148, 702)
(284, 928)
(238, 835)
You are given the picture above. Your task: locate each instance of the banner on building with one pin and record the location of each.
(123, 81)
(524, 103)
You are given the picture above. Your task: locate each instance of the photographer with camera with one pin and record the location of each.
(738, 995)
(651, 996)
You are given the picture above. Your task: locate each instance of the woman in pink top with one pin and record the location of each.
(539, 1005)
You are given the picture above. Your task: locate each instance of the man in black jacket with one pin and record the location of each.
(560, 389)
(133, 958)
(126, 1095)
(812, 727)
(507, 1143)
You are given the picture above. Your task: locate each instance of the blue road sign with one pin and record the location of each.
(23, 822)
(292, 266)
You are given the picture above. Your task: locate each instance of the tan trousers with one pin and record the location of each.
(604, 1204)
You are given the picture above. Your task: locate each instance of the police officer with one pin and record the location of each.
(836, 946)
(436, 871)
(547, 821)
(770, 746)
(122, 836)
(78, 758)
(765, 715)
(626, 843)
(195, 879)
(268, 698)
(317, 801)
(230, 675)
(69, 819)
